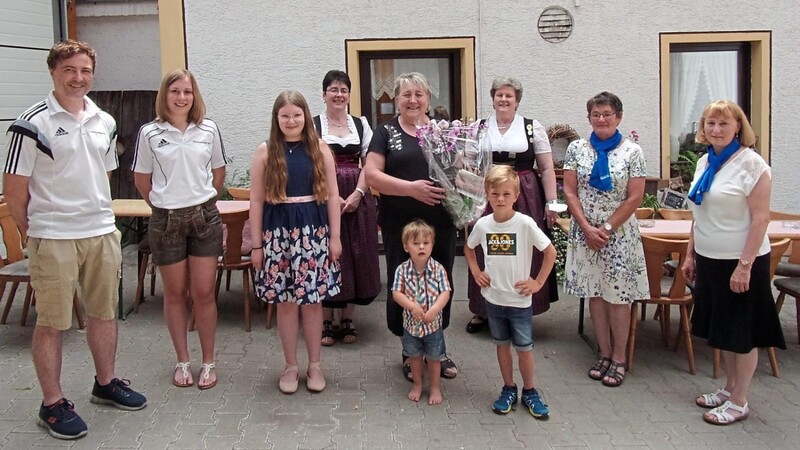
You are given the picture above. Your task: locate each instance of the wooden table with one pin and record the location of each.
(679, 229)
(231, 212)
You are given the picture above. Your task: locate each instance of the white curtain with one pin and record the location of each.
(694, 76)
(685, 69)
(721, 75)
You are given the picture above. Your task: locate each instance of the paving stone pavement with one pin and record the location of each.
(364, 405)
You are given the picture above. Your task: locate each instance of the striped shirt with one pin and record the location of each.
(424, 288)
(66, 160)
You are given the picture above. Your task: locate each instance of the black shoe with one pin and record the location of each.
(118, 394)
(61, 420)
(476, 327)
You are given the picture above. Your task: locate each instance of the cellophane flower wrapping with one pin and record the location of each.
(458, 158)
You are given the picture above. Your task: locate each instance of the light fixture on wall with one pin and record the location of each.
(555, 24)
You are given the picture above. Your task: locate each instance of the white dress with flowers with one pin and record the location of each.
(617, 272)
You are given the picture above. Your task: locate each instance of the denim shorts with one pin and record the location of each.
(176, 234)
(511, 325)
(431, 346)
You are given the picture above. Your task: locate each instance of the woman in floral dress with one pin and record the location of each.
(604, 184)
(294, 207)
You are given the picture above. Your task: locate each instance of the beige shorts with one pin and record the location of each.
(59, 266)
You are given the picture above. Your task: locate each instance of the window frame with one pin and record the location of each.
(760, 43)
(464, 45)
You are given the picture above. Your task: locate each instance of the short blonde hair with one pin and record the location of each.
(198, 111)
(501, 174)
(411, 78)
(726, 108)
(417, 228)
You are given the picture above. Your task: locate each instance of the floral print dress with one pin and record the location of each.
(617, 272)
(297, 267)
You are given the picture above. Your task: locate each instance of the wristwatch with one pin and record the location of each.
(744, 262)
(607, 226)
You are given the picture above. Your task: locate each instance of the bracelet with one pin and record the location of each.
(257, 248)
(361, 191)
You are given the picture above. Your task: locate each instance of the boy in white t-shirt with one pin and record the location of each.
(507, 239)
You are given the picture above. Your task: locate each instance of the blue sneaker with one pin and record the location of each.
(118, 394)
(536, 406)
(61, 420)
(507, 400)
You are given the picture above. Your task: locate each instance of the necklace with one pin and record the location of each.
(292, 148)
(337, 125)
(504, 127)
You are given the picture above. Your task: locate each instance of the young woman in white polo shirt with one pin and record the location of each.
(179, 169)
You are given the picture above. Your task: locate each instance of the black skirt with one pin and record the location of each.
(736, 322)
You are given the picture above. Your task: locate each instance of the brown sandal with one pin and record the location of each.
(349, 332)
(614, 374)
(601, 367)
(327, 333)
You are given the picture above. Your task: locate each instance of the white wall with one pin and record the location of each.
(245, 52)
(126, 39)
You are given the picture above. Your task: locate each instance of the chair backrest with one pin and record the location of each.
(234, 226)
(776, 251)
(675, 214)
(12, 237)
(239, 193)
(644, 213)
(778, 215)
(656, 251)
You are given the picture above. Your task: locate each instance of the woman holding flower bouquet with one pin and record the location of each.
(397, 168)
(349, 138)
(523, 144)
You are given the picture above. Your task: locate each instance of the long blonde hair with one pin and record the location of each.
(276, 175)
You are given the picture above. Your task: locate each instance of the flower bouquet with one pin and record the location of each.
(458, 160)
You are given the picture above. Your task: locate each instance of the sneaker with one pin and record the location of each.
(536, 406)
(61, 420)
(507, 400)
(118, 394)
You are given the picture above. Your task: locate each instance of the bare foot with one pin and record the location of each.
(415, 393)
(183, 375)
(435, 397)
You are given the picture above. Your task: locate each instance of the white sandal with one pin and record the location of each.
(185, 368)
(713, 399)
(721, 416)
(205, 374)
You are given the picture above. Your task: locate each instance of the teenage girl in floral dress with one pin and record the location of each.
(292, 178)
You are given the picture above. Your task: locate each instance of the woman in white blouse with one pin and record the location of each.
(523, 144)
(728, 256)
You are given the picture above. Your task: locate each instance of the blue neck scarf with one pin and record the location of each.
(715, 161)
(601, 177)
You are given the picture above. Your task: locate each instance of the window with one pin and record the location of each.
(697, 68)
(447, 63)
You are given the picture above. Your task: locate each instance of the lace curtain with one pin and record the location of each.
(695, 79)
(385, 71)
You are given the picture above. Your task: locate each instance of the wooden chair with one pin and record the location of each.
(675, 214)
(14, 269)
(675, 294)
(239, 193)
(789, 286)
(144, 266)
(791, 267)
(233, 259)
(644, 213)
(777, 249)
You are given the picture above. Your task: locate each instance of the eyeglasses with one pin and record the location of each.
(606, 115)
(337, 91)
(285, 118)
